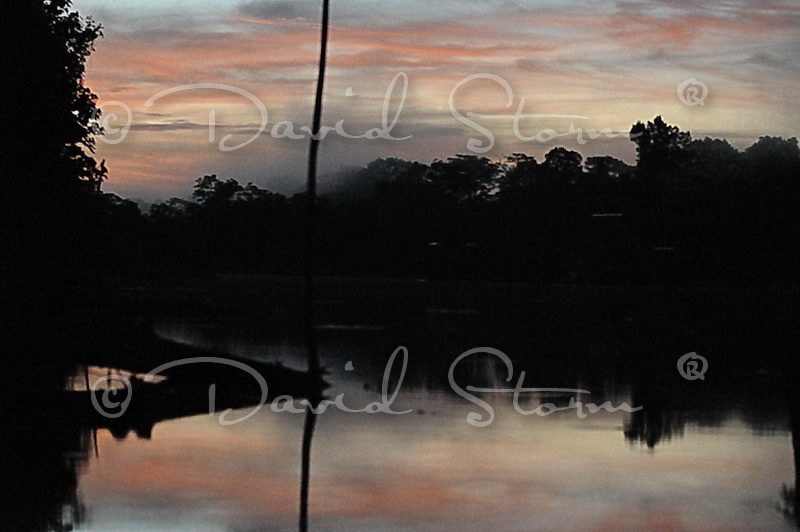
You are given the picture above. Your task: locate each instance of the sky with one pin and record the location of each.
(718, 68)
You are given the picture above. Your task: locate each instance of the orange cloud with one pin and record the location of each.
(618, 63)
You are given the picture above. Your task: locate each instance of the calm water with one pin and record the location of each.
(710, 454)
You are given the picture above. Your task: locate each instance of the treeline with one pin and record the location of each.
(689, 211)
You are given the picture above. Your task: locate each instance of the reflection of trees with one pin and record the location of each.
(52, 432)
(796, 449)
(42, 462)
(657, 422)
(42, 486)
(48, 428)
(789, 494)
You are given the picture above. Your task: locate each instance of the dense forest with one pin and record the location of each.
(690, 211)
(76, 263)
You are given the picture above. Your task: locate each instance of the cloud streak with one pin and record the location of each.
(617, 62)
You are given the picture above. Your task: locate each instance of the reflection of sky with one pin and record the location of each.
(428, 469)
(616, 62)
(434, 471)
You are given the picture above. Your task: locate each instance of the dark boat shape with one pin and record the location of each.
(168, 380)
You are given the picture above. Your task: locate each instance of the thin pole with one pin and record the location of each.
(308, 433)
(311, 193)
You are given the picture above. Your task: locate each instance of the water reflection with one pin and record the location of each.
(43, 465)
(706, 455)
(789, 493)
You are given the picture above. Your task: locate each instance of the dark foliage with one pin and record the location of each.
(689, 212)
(55, 222)
(45, 46)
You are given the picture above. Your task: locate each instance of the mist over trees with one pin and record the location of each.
(689, 211)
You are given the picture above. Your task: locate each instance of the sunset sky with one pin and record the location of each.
(613, 62)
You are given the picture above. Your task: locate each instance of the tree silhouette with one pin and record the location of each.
(464, 177)
(54, 221)
(661, 148)
(520, 174)
(605, 171)
(775, 161)
(564, 162)
(45, 47)
(713, 161)
(210, 191)
(562, 169)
